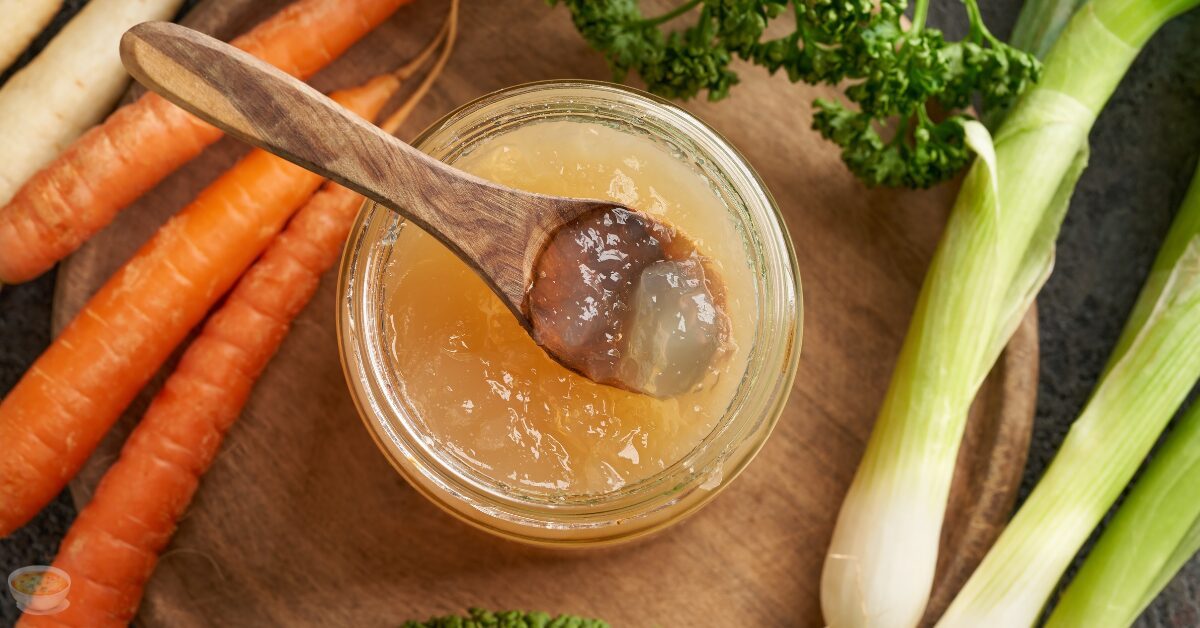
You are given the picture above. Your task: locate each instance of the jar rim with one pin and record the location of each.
(774, 354)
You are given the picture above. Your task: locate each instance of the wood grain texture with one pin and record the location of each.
(301, 521)
(223, 19)
(499, 231)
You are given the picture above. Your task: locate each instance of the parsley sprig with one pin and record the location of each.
(479, 618)
(893, 75)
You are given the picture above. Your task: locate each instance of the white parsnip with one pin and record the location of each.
(68, 87)
(22, 20)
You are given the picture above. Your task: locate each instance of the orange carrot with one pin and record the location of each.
(113, 545)
(114, 163)
(115, 541)
(51, 421)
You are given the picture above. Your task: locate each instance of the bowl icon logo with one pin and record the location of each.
(40, 589)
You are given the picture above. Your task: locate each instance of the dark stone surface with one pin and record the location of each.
(1144, 151)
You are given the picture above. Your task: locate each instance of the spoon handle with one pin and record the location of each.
(490, 226)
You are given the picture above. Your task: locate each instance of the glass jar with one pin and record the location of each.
(679, 489)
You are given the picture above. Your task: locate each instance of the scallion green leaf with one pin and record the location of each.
(1154, 366)
(992, 258)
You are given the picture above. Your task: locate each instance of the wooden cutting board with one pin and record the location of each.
(302, 522)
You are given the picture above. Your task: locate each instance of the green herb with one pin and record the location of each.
(479, 618)
(895, 75)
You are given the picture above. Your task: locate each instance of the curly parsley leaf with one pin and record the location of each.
(479, 618)
(893, 74)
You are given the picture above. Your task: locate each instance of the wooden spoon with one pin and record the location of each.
(585, 323)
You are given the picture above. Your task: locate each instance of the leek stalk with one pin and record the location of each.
(1184, 229)
(995, 253)
(1039, 24)
(1153, 367)
(1037, 27)
(1153, 534)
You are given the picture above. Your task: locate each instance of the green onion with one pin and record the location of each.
(1039, 24)
(1153, 367)
(1158, 527)
(1183, 231)
(1153, 534)
(993, 257)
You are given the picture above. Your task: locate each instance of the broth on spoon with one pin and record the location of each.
(627, 301)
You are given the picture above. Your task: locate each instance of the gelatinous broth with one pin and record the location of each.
(490, 397)
(627, 300)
